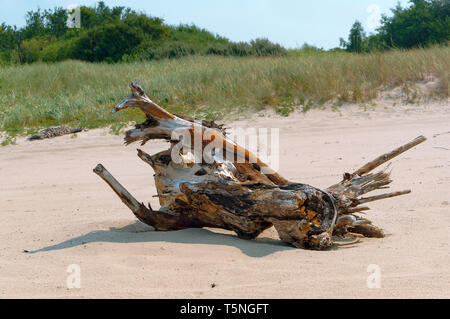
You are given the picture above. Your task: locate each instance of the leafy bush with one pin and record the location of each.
(107, 43)
(263, 47)
(58, 50)
(219, 49)
(172, 50)
(198, 38)
(31, 49)
(425, 22)
(241, 49)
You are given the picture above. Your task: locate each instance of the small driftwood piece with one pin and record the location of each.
(54, 131)
(242, 194)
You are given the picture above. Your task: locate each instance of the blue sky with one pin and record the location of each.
(288, 22)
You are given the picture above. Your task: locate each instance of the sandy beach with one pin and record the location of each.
(60, 213)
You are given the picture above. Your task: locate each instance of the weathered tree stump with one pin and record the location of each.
(242, 194)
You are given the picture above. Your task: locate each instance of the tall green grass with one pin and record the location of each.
(79, 93)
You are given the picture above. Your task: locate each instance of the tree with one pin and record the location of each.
(35, 24)
(356, 39)
(56, 21)
(7, 43)
(263, 47)
(424, 23)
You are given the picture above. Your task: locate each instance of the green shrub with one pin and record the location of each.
(263, 47)
(58, 50)
(241, 49)
(172, 50)
(197, 37)
(32, 48)
(107, 43)
(219, 49)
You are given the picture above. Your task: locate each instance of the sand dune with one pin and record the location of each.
(55, 207)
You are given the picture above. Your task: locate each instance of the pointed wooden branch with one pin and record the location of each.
(364, 200)
(123, 194)
(361, 182)
(388, 156)
(159, 219)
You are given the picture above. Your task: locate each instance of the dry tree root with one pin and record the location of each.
(242, 194)
(360, 182)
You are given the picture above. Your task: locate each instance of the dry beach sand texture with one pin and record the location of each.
(54, 206)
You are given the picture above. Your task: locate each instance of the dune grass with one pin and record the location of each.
(79, 93)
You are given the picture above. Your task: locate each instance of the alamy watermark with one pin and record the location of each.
(242, 145)
(74, 277)
(374, 279)
(74, 16)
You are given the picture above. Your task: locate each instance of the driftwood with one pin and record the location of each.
(54, 131)
(231, 188)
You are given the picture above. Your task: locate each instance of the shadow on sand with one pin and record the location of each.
(139, 232)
